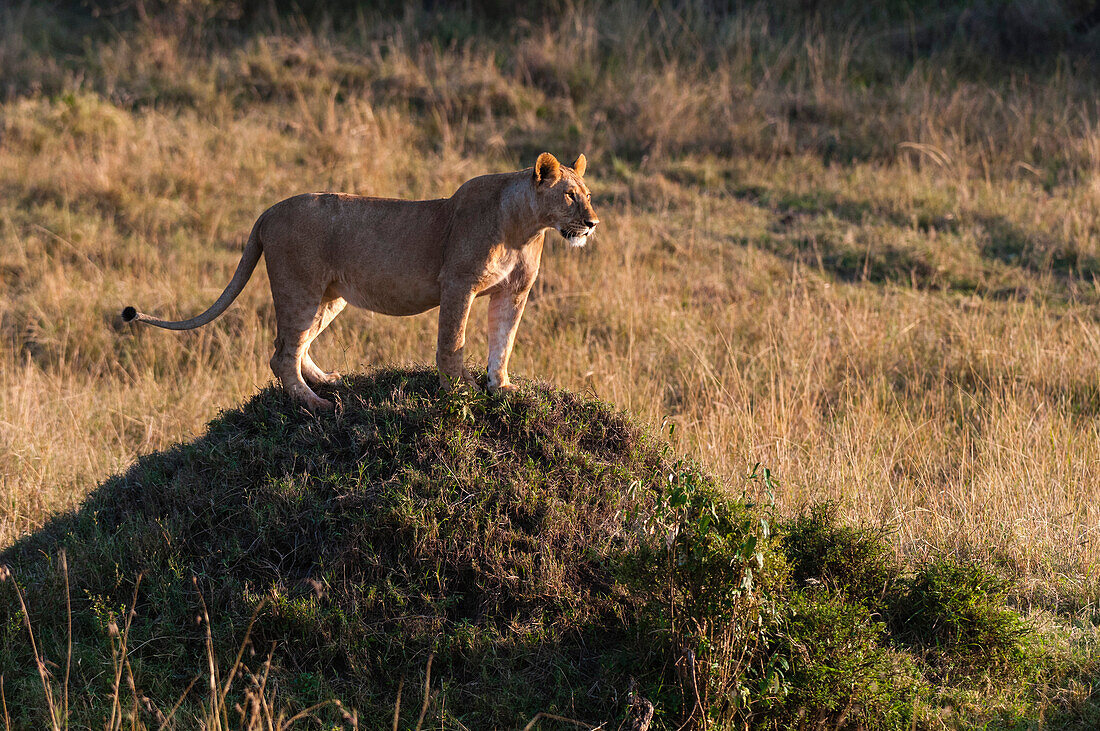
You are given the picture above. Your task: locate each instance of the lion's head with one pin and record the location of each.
(565, 202)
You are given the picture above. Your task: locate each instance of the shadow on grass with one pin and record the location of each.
(1001, 242)
(1008, 243)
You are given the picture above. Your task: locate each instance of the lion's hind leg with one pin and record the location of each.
(330, 308)
(295, 323)
(314, 374)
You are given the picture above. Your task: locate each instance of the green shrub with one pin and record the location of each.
(959, 609)
(857, 562)
(840, 673)
(715, 559)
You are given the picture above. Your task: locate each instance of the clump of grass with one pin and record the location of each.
(959, 609)
(831, 659)
(531, 554)
(857, 562)
(861, 638)
(838, 669)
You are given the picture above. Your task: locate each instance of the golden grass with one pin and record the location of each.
(886, 292)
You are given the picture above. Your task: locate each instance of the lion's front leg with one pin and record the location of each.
(505, 311)
(454, 309)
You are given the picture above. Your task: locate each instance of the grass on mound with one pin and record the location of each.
(538, 551)
(507, 537)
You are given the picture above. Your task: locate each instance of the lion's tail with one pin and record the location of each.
(249, 258)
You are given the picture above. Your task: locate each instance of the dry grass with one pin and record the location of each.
(874, 274)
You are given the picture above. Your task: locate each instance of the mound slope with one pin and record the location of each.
(503, 535)
(538, 550)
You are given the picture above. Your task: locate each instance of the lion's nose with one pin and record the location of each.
(591, 222)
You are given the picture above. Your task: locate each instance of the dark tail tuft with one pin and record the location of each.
(129, 314)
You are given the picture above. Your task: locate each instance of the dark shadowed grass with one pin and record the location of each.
(855, 562)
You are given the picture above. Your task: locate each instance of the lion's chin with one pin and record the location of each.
(577, 241)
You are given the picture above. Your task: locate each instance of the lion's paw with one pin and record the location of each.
(506, 387)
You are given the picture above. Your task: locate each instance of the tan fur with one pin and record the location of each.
(396, 257)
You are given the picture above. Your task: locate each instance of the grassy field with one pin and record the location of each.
(861, 248)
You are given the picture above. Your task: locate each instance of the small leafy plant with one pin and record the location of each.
(719, 567)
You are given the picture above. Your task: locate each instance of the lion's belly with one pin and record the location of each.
(387, 276)
(387, 294)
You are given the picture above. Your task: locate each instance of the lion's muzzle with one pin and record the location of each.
(578, 235)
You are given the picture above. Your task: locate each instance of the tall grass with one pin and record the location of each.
(258, 709)
(861, 255)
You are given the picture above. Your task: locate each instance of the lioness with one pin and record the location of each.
(402, 257)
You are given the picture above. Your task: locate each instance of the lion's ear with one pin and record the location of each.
(547, 169)
(581, 165)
